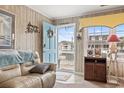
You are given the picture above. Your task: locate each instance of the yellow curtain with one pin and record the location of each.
(106, 20)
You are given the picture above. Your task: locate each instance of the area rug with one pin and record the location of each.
(62, 76)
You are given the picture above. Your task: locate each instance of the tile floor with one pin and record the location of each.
(76, 81)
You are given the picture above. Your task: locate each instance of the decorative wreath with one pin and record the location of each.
(50, 33)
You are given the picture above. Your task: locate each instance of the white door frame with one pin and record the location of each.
(70, 24)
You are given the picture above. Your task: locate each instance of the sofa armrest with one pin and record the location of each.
(52, 67)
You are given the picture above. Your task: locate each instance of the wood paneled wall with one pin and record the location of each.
(23, 14)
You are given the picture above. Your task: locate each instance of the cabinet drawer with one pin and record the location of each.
(89, 60)
(95, 60)
(101, 60)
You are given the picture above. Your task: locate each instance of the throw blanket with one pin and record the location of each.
(27, 56)
(9, 57)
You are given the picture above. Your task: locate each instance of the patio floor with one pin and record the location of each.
(67, 65)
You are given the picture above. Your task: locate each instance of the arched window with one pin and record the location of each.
(119, 30)
(97, 38)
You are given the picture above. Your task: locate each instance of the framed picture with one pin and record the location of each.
(97, 52)
(7, 30)
(90, 53)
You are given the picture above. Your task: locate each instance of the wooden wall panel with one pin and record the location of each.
(23, 14)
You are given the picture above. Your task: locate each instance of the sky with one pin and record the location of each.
(120, 30)
(98, 30)
(66, 33)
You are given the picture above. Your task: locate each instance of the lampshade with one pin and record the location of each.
(113, 38)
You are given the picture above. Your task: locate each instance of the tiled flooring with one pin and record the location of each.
(77, 81)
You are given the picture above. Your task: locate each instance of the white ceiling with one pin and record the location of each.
(64, 11)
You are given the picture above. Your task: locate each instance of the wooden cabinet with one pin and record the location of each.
(90, 68)
(95, 69)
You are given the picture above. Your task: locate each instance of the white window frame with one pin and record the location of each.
(86, 39)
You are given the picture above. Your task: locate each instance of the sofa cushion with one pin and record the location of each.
(25, 67)
(40, 68)
(48, 79)
(9, 72)
(22, 82)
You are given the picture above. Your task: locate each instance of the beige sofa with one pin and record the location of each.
(18, 76)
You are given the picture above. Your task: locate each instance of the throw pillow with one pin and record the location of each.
(40, 68)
